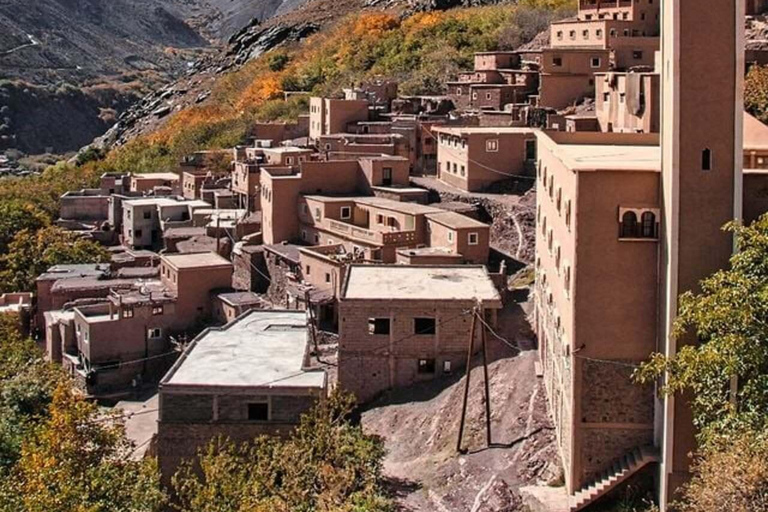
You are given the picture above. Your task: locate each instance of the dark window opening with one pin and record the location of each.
(706, 160)
(648, 221)
(378, 325)
(258, 412)
(628, 225)
(426, 366)
(530, 150)
(424, 326)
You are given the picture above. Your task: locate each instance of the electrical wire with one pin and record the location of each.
(479, 164)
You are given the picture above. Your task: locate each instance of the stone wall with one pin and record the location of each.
(372, 363)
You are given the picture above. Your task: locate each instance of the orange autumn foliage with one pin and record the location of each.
(374, 25)
(264, 88)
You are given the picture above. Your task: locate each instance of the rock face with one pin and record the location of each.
(123, 47)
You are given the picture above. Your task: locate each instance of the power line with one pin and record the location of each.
(500, 338)
(479, 164)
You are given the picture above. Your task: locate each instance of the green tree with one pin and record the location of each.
(27, 383)
(79, 460)
(16, 216)
(726, 374)
(756, 92)
(730, 318)
(32, 253)
(326, 464)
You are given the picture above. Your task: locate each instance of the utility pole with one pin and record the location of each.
(312, 329)
(487, 385)
(468, 373)
(476, 319)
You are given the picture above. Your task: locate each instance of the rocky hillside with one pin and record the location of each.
(126, 46)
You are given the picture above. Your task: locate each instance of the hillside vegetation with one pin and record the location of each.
(420, 51)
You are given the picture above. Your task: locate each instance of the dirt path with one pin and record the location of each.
(420, 425)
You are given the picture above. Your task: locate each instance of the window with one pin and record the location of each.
(147, 214)
(585, 34)
(568, 213)
(559, 199)
(637, 55)
(530, 150)
(648, 222)
(596, 62)
(463, 171)
(138, 233)
(155, 333)
(560, 35)
(346, 212)
(706, 160)
(308, 270)
(446, 367)
(450, 236)
(474, 95)
(304, 235)
(258, 411)
(567, 280)
(327, 277)
(487, 96)
(424, 326)
(492, 145)
(128, 313)
(378, 326)
(473, 239)
(157, 310)
(599, 33)
(379, 219)
(557, 62)
(318, 214)
(628, 225)
(317, 238)
(426, 366)
(458, 91)
(288, 160)
(572, 34)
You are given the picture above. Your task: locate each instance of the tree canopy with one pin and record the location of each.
(326, 464)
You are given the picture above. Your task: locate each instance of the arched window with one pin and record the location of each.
(648, 220)
(629, 225)
(706, 160)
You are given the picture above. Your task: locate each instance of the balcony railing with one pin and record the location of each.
(393, 238)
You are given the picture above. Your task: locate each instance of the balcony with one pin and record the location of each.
(372, 237)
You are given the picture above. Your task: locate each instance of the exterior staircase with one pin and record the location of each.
(619, 472)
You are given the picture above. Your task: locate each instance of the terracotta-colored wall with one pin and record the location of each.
(613, 114)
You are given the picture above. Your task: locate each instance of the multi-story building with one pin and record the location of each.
(148, 182)
(623, 228)
(474, 158)
(246, 184)
(144, 220)
(249, 378)
(282, 187)
(370, 227)
(119, 334)
(327, 115)
(401, 324)
(628, 102)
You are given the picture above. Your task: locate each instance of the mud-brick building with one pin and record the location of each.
(400, 324)
(248, 378)
(473, 158)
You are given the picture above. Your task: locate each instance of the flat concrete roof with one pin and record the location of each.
(75, 271)
(397, 206)
(470, 130)
(592, 157)
(152, 201)
(171, 176)
(196, 260)
(240, 298)
(420, 282)
(456, 220)
(261, 349)
(288, 149)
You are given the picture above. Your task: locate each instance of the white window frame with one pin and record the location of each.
(348, 210)
(492, 146)
(473, 236)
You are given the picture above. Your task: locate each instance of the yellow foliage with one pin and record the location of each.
(186, 119)
(264, 88)
(374, 25)
(422, 21)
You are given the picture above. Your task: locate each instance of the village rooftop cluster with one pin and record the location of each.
(226, 269)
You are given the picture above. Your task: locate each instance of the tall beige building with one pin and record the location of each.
(624, 226)
(702, 130)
